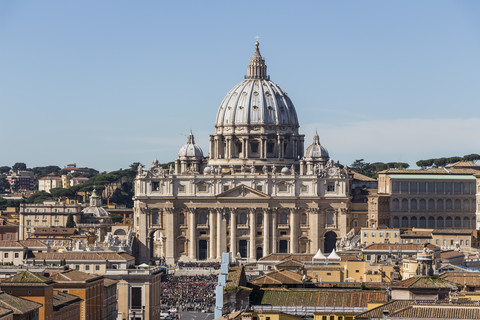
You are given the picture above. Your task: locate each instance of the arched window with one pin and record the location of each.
(259, 219)
(423, 204)
(413, 204)
(181, 218)
(431, 204)
(423, 222)
(202, 219)
(458, 204)
(466, 222)
(448, 222)
(404, 205)
(396, 204)
(466, 205)
(404, 222)
(440, 222)
(458, 222)
(439, 204)
(396, 222)
(243, 218)
(431, 222)
(413, 222)
(448, 204)
(303, 219)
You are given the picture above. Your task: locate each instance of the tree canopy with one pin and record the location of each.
(372, 169)
(441, 162)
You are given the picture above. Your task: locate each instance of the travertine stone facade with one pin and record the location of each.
(257, 193)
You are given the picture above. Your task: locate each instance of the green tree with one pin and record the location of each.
(70, 222)
(62, 193)
(471, 157)
(19, 166)
(440, 162)
(39, 197)
(4, 169)
(4, 185)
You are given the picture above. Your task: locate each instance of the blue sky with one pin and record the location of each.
(108, 83)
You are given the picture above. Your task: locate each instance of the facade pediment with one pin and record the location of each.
(242, 191)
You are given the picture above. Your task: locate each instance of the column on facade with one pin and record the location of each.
(314, 230)
(279, 146)
(170, 228)
(192, 252)
(212, 247)
(253, 223)
(219, 233)
(266, 232)
(293, 231)
(212, 148)
(274, 231)
(233, 232)
(245, 151)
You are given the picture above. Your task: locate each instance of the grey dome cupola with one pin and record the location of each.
(190, 149)
(316, 150)
(256, 100)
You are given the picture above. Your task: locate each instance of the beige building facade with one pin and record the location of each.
(257, 192)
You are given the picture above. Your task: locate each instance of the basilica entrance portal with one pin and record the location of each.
(330, 241)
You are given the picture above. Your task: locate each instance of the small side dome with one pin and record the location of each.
(316, 150)
(207, 170)
(286, 170)
(190, 150)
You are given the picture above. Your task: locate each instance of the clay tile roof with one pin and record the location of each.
(424, 283)
(282, 277)
(74, 276)
(361, 177)
(291, 263)
(439, 312)
(318, 298)
(26, 278)
(32, 243)
(450, 254)
(471, 279)
(19, 306)
(110, 256)
(62, 299)
(461, 164)
(441, 170)
(109, 282)
(391, 306)
(10, 244)
(234, 276)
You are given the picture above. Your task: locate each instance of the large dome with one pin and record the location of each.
(256, 100)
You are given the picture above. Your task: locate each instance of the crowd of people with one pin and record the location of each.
(203, 265)
(188, 293)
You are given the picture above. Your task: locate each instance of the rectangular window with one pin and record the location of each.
(155, 186)
(202, 188)
(5, 255)
(331, 187)
(87, 267)
(181, 188)
(254, 147)
(259, 188)
(9, 237)
(282, 188)
(17, 255)
(136, 298)
(387, 234)
(373, 234)
(97, 268)
(365, 234)
(77, 267)
(225, 188)
(381, 234)
(304, 189)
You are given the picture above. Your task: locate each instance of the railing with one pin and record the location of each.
(303, 311)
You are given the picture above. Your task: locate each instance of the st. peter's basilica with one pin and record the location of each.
(257, 192)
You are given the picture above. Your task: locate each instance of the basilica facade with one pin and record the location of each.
(257, 192)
